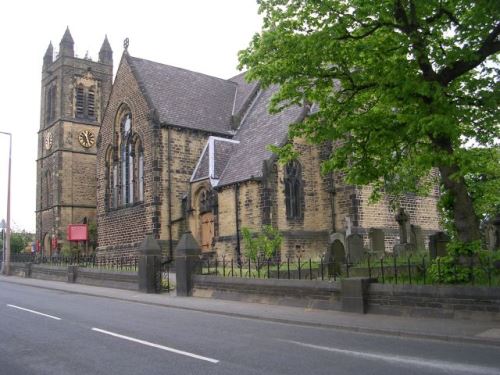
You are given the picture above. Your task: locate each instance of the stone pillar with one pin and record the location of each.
(150, 265)
(27, 270)
(354, 292)
(187, 260)
(72, 274)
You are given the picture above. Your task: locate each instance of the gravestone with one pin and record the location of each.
(404, 247)
(437, 244)
(377, 241)
(416, 237)
(355, 248)
(335, 258)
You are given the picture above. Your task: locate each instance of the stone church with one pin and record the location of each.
(178, 150)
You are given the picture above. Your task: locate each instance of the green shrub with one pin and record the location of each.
(464, 263)
(266, 244)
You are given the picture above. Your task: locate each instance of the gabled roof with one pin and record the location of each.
(258, 129)
(184, 98)
(244, 92)
(213, 159)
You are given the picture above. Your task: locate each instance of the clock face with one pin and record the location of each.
(86, 138)
(48, 141)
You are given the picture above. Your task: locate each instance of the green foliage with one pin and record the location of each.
(412, 84)
(251, 244)
(92, 234)
(464, 263)
(69, 249)
(19, 241)
(266, 244)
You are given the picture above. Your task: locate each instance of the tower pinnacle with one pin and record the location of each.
(66, 44)
(106, 53)
(48, 57)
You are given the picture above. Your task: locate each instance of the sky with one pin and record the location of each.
(200, 35)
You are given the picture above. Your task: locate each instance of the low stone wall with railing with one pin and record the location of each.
(438, 301)
(109, 278)
(313, 294)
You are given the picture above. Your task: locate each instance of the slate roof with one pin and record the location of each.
(258, 129)
(193, 100)
(244, 92)
(184, 98)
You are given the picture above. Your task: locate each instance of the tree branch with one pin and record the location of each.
(490, 46)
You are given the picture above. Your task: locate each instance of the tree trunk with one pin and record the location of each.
(464, 217)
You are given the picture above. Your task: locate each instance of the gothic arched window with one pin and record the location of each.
(125, 164)
(111, 179)
(293, 190)
(126, 159)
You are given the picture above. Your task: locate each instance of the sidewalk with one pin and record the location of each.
(460, 331)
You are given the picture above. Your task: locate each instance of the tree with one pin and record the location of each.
(403, 86)
(19, 241)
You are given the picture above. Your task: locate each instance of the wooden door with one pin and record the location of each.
(207, 231)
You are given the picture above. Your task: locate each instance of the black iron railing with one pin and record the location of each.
(124, 263)
(412, 269)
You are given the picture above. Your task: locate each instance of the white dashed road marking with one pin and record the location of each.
(413, 361)
(34, 312)
(153, 345)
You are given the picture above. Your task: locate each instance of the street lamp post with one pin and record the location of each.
(6, 263)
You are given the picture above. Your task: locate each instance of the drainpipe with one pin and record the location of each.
(169, 162)
(333, 193)
(237, 214)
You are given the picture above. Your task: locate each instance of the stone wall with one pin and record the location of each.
(301, 293)
(95, 277)
(129, 224)
(186, 147)
(458, 302)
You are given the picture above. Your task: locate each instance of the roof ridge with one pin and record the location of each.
(185, 70)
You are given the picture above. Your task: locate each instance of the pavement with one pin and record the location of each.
(452, 330)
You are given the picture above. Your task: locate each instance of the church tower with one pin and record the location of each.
(74, 95)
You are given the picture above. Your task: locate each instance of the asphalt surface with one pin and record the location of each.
(58, 332)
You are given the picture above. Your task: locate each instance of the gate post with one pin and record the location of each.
(150, 265)
(186, 261)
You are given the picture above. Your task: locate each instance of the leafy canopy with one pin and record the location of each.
(403, 85)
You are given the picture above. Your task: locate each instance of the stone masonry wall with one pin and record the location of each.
(128, 224)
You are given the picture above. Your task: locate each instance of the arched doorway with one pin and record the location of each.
(206, 219)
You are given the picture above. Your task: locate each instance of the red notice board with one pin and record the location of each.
(77, 232)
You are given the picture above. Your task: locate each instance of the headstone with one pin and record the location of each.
(149, 265)
(403, 220)
(416, 237)
(187, 259)
(377, 241)
(355, 248)
(335, 258)
(437, 244)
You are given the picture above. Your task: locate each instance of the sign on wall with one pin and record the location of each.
(77, 232)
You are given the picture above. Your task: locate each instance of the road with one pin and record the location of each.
(53, 332)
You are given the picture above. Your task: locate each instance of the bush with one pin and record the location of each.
(264, 245)
(464, 263)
